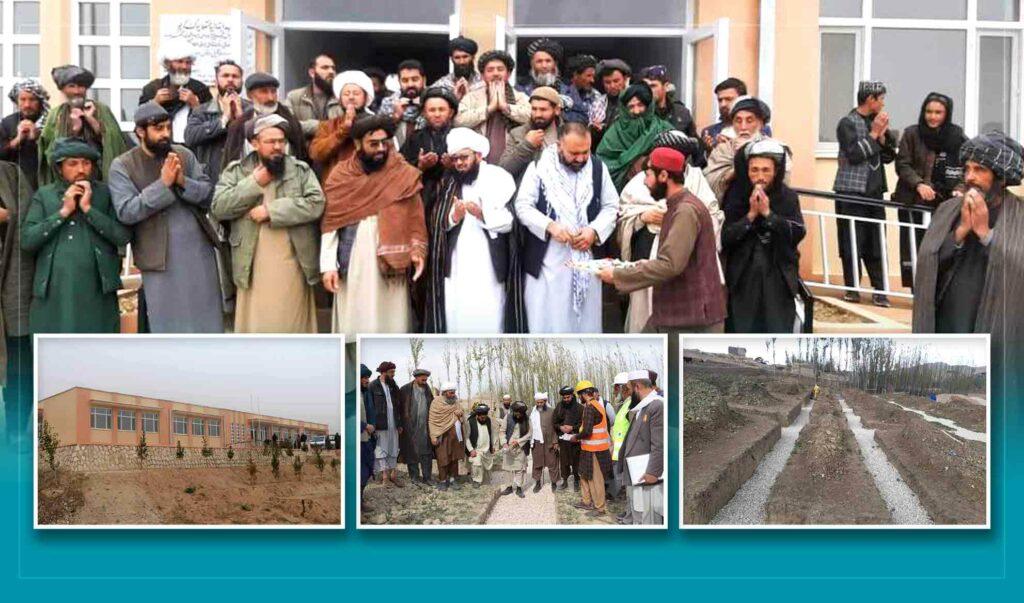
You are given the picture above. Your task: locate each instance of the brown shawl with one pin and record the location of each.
(442, 416)
(393, 195)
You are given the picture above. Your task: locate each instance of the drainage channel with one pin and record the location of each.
(904, 505)
(967, 434)
(747, 506)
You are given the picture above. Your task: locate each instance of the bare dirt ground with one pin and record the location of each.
(221, 496)
(948, 474)
(419, 505)
(825, 481)
(964, 412)
(570, 515)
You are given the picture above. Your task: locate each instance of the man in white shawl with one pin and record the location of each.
(568, 204)
(640, 217)
(469, 234)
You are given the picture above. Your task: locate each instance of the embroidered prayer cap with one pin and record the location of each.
(495, 55)
(638, 375)
(668, 159)
(273, 120)
(547, 93)
(357, 78)
(150, 113)
(261, 80)
(465, 138)
(621, 378)
(753, 104)
(678, 140)
(998, 152)
(72, 74)
(870, 88)
(68, 148)
(462, 43)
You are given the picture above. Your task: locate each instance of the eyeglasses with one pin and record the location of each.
(463, 157)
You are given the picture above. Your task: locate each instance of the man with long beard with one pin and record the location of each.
(315, 102)
(464, 76)
(969, 268)
(373, 233)
(469, 252)
(19, 131)
(333, 142)
(446, 434)
(162, 191)
(405, 106)
(177, 92)
(207, 130)
(262, 90)
(494, 109)
(273, 202)
(545, 55)
(525, 142)
(568, 204)
(517, 437)
(81, 118)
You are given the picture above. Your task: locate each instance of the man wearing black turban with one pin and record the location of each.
(545, 57)
(464, 77)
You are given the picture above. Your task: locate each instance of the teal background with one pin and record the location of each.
(521, 564)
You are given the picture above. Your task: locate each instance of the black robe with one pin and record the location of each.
(761, 257)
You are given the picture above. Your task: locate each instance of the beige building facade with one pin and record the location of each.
(803, 57)
(83, 416)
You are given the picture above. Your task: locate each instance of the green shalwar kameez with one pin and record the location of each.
(77, 263)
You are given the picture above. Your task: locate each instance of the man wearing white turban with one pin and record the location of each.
(177, 92)
(469, 240)
(333, 140)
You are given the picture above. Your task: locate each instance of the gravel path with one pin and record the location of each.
(966, 434)
(538, 509)
(747, 506)
(979, 400)
(904, 505)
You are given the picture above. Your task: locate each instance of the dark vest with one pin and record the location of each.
(150, 237)
(695, 297)
(534, 248)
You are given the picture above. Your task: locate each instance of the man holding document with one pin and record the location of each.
(641, 458)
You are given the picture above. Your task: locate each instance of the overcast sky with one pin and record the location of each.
(970, 351)
(294, 378)
(374, 350)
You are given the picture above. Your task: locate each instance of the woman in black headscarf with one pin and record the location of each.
(759, 242)
(928, 167)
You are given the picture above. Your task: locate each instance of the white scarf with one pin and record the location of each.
(569, 193)
(538, 432)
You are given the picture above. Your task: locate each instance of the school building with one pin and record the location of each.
(83, 416)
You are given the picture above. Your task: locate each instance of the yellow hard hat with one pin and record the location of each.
(582, 385)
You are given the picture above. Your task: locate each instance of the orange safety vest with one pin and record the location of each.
(598, 439)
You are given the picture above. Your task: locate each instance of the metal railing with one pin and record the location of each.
(894, 227)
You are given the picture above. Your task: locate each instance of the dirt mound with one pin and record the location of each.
(789, 388)
(212, 496)
(705, 412)
(827, 441)
(60, 496)
(960, 410)
(751, 392)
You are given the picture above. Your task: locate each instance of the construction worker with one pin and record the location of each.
(620, 427)
(814, 392)
(595, 450)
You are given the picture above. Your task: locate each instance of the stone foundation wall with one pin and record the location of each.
(92, 458)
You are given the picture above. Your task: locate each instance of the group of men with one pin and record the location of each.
(605, 446)
(479, 203)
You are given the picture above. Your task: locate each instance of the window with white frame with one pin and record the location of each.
(213, 428)
(197, 426)
(180, 426)
(126, 420)
(19, 45)
(151, 422)
(111, 38)
(100, 418)
(970, 50)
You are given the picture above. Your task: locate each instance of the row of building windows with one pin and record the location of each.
(207, 427)
(102, 418)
